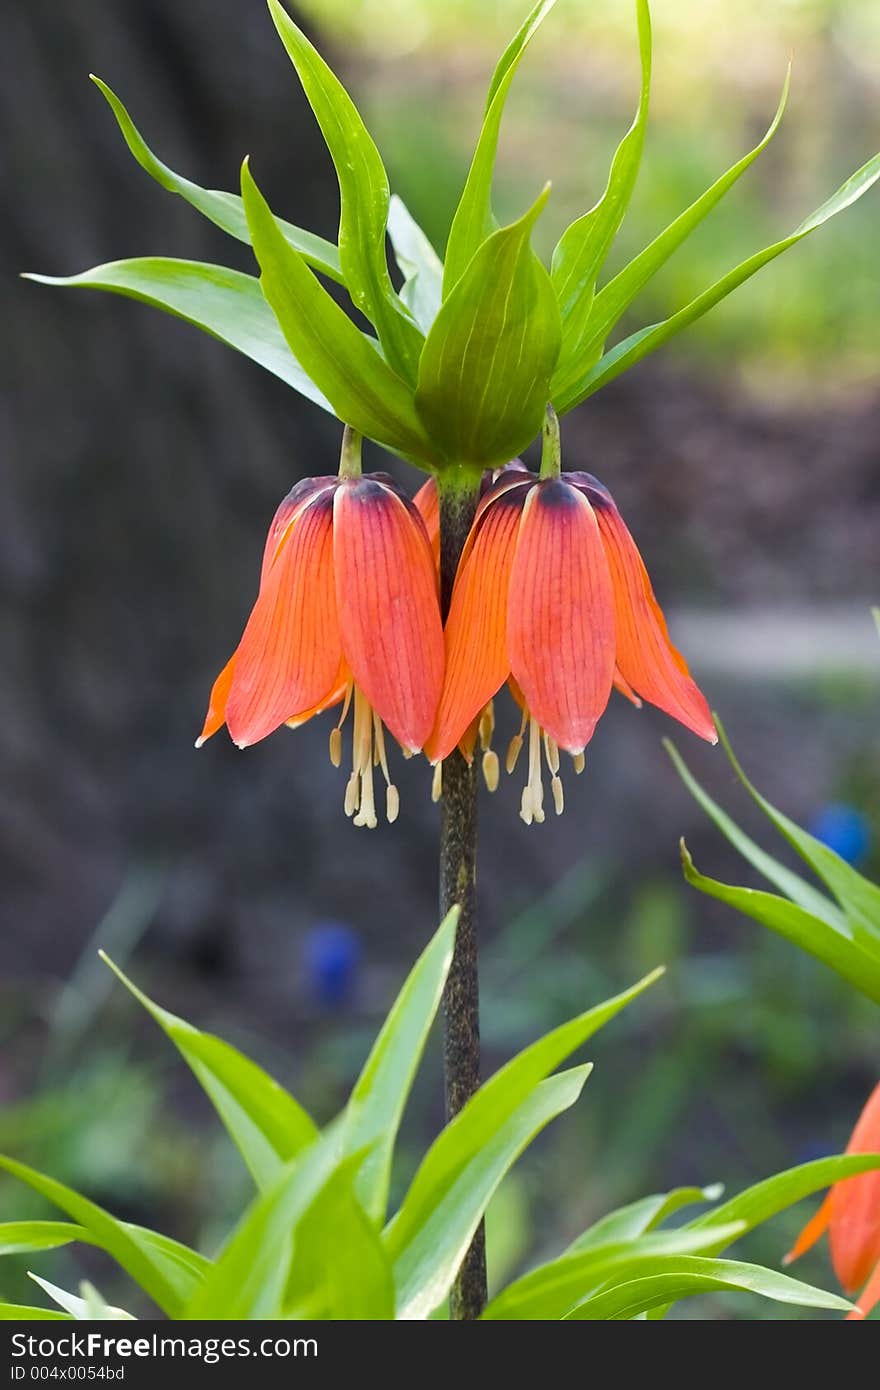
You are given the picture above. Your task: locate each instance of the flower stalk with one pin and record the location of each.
(458, 496)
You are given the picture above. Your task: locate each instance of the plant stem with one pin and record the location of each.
(459, 494)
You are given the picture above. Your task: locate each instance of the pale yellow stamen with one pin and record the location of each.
(368, 752)
(437, 783)
(580, 763)
(515, 745)
(542, 747)
(491, 769)
(532, 805)
(487, 726)
(336, 746)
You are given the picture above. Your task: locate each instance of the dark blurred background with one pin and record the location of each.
(142, 463)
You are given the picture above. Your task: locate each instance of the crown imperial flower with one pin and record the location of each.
(851, 1216)
(347, 612)
(552, 597)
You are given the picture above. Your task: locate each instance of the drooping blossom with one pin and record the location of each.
(347, 612)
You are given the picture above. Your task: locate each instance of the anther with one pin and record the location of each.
(336, 746)
(491, 769)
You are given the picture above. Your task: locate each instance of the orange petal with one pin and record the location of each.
(813, 1231)
(477, 663)
(626, 690)
(288, 658)
(855, 1206)
(427, 504)
(389, 614)
(646, 658)
(216, 716)
(868, 1298)
(298, 498)
(560, 616)
(335, 697)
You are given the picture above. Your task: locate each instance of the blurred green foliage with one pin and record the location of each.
(419, 77)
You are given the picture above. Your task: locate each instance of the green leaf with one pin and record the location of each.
(847, 957)
(473, 221)
(266, 1124)
(857, 895)
(340, 1271)
(168, 1281)
(372, 1116)
(581, 251)
(549, 1292)
(436, 1223)
(485, 370)
(615, 298)
(22, 1237)
(690, 1275)
(629, 1222)
(361, 387)
(20, 1312)
(90, 1309)
(223, 209)
(640, 344)
(228, 305)
(441, 1210)
(766, 1199)
(418, 262)
(364, 198)
(789, 883)
(248, 1279)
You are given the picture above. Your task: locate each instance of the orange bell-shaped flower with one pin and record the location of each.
(348, 611)
(851, 1215)
(551, 596)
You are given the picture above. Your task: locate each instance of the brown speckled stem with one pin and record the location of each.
(459, 493)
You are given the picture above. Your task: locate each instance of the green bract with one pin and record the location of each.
(315, 1241)
(466, 354)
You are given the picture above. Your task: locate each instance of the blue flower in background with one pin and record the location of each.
(843, 829)
(332, 960)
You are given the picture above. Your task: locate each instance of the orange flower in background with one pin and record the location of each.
(551, 595)
(851, 1215)
(347, 611)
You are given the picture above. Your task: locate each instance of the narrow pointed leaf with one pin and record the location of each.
(473, 221)
(361, 387)
(549, 1292)
(615, 298)
(21, 1312)
(372, 1116)
(340, 1271)
(638, 345)
(228, 305)
(433, 1230)
(166, 1280)
(789, 883)
(857, 895)
(223, 209)
(581, 251)
(629, 1222)
(419, 1272)
(688, 1276)
(486, 367)
(418, 263)
(82, 1309)
(766, 1199)
(22, 1237)
(264, 1121)
(849, 958)
(248, 1279)
(364, 198)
